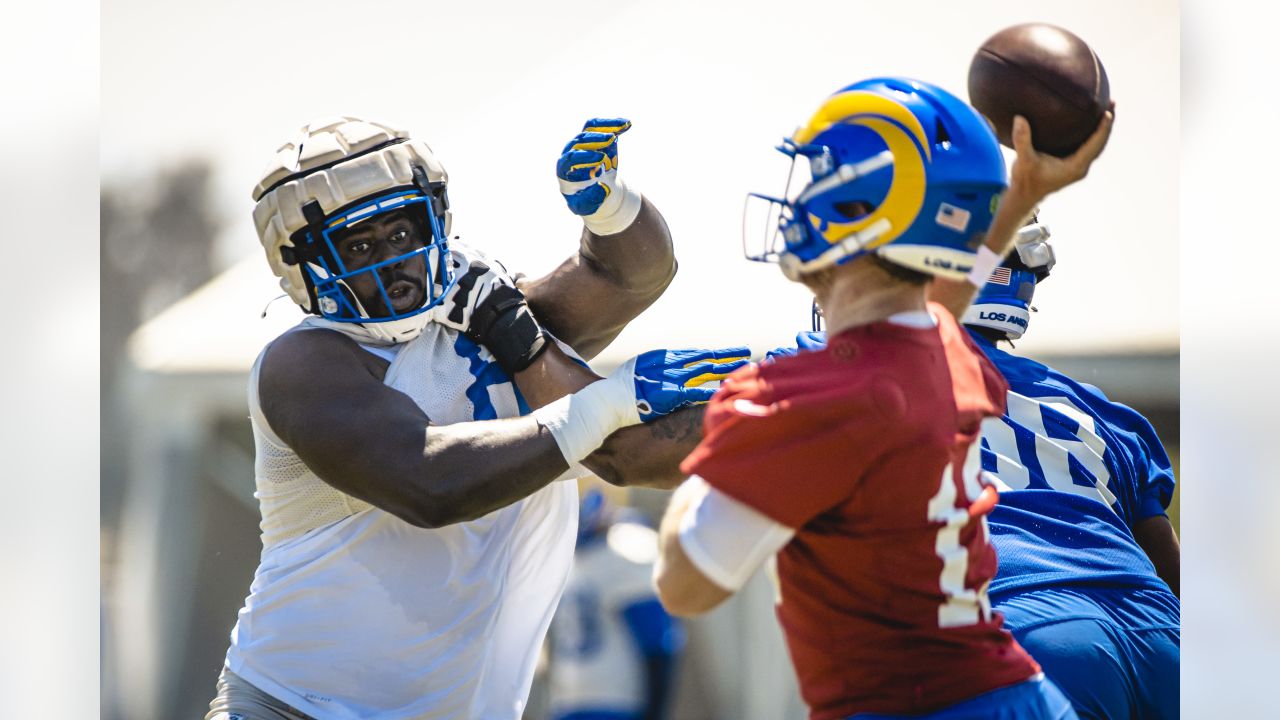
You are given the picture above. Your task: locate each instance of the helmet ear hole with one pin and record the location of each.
(942, 138)
(854, 209)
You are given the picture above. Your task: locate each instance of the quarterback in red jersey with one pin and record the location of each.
(857, 464)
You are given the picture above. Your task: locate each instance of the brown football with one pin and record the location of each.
(1045, 74)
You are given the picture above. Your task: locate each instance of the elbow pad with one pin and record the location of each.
(504, 324)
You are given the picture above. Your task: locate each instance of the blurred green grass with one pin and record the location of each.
(1173, 506)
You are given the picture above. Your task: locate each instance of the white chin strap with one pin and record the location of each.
(388, 332)
(794, 268)
(391, 332)
(1010, 320)
(395, 331)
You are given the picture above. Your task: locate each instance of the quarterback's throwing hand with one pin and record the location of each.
(588, 174)
(1036, 175)
(667, 380)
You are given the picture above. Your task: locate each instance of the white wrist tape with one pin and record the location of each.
(985, 264)
(617, 212)
(581, 422)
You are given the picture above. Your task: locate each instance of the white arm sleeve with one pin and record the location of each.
(725, 539)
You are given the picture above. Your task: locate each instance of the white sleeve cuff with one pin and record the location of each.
(617, 212)
(725, 539)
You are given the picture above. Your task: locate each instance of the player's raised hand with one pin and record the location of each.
(588, 174)
(1035, 175)
(667, 380)
(806, 341)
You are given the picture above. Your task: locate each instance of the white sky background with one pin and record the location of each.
(498, 88)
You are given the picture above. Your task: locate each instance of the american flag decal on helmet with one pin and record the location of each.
(950, 216)
(1001, 276)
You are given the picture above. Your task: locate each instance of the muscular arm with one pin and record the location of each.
(592, 296)
(1156, 537)
(646, 455)
(325, 398)
(649, 455)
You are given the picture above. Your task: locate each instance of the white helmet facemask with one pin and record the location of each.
(342, 172)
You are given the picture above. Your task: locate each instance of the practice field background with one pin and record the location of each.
(196, 97)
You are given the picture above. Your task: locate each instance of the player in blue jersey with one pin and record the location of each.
(1088, 558)
(1088, 570)
(613, 647)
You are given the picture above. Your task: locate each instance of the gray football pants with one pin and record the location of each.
(238, 700)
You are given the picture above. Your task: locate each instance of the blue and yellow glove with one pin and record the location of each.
(806, 340)
(667, 380)
(641, 390)
(588, 175)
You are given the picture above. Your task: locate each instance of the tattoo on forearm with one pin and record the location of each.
(678, 426)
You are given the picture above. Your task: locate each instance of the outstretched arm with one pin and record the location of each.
(649, 455)
(1033, 177)
(325, 398)
(321, 395)
(625, 259)
(646, 455)
(492, 311)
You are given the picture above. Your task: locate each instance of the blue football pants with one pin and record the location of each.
(1034, 699)
(1113, 653)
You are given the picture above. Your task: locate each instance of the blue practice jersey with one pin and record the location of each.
(1076, 472)
(612, 643)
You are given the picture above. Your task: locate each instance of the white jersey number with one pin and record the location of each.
(1053, 455)
(963, 605)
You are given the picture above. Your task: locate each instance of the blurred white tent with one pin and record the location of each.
(219, 328)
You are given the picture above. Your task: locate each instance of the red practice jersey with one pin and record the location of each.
(869, 450)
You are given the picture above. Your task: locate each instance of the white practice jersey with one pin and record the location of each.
(596, 664)
(354, 613)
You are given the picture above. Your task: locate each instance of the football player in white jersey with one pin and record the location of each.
(409, 431)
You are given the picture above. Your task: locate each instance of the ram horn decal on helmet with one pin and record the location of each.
(899, 168)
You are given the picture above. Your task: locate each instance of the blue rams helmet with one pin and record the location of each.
(337, 173)
(900, 168)
(1004, 303)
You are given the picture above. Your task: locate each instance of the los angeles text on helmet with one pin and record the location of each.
(1002, 317)
(946, 264)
